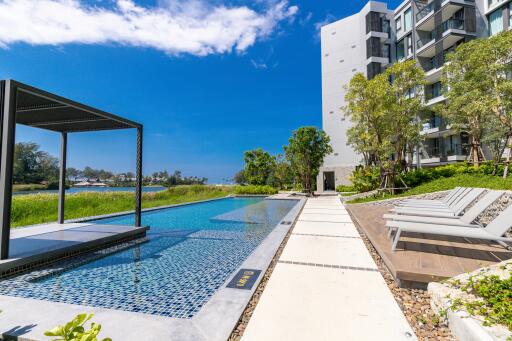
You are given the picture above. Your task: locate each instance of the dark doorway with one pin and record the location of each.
(329, 181)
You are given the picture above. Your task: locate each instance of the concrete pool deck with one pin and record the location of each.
(326, 286)
(40, 243)
(27, 319)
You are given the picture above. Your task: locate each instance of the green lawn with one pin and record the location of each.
(443, 184)
(42, 208)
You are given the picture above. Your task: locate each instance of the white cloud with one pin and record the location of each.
(259, 65)
(176, 27)
(329, 18)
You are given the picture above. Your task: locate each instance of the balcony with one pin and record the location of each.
(425, 17)
(430, 154)
(435, 154)
(434, 69)
(432, 126)
(449, 32)
(457, 152)
(434, 94)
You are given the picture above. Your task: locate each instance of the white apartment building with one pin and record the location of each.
(376, 37)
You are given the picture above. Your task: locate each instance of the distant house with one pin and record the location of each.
(82, 184)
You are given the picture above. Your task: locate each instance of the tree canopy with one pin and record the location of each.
(385, 112)
(478, 85)
(306, 151)
(259, 166)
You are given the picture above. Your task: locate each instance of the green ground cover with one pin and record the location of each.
(42, 208)
(29, 187)
(443, 184)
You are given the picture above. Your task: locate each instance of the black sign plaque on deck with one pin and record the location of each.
(244, 279)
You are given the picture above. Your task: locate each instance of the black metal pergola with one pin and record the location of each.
(24, 104)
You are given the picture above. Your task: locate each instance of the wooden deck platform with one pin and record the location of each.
(43, 243)
(419, 258)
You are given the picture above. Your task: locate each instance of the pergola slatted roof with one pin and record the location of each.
(40, 109)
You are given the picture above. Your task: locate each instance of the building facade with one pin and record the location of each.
(373, 39)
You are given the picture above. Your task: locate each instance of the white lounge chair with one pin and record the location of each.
(442, 212)
(446, 200)
(454, 200)
(466, 220)
(494, 231)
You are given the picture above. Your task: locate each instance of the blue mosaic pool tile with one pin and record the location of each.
(187, 258)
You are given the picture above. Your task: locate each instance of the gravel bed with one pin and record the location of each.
(415, 303)
(495, 209)
(394, 201)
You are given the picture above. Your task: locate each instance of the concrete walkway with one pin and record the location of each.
(326, 286)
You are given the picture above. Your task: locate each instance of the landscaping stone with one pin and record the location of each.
(464, 326)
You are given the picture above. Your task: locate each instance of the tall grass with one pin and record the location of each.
(444, 184)
(42, 208)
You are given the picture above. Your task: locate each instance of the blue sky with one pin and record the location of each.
(204, 97)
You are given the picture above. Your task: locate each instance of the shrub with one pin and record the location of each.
(251, 190)
(365, 179)
(75, 331)
(344, 188)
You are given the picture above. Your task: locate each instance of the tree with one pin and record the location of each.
(259, 166)
(306, 151)
(283, 173)
(384, 112)
(478, 82)
(239, 178)
(73, 173)
(90, 173)
(405, 106)
(366, 110)
(32, 165)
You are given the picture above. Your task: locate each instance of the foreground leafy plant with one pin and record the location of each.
(75, 331)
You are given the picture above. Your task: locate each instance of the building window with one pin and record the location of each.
(398, 23)
(510, 15)
(408, 20)
(400, 50)
(496, 22)
(409, 45)
(385, 25)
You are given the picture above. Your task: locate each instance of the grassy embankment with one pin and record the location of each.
(42, 208)
(443, 184)
(29, 187)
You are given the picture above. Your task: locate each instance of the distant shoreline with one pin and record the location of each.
(80, 189)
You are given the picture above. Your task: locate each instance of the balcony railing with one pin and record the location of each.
(457, 149)
(445, 26)
(431, 151)
(434, 91)
(452, 24)
(424, 11)
(423, 41)
(432, 123)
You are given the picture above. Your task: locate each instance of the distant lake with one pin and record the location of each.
(95, 189)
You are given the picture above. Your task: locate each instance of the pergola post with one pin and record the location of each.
(62, 175)
(8, 130)
(138, 180)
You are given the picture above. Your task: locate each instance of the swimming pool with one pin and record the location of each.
(190, 252)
